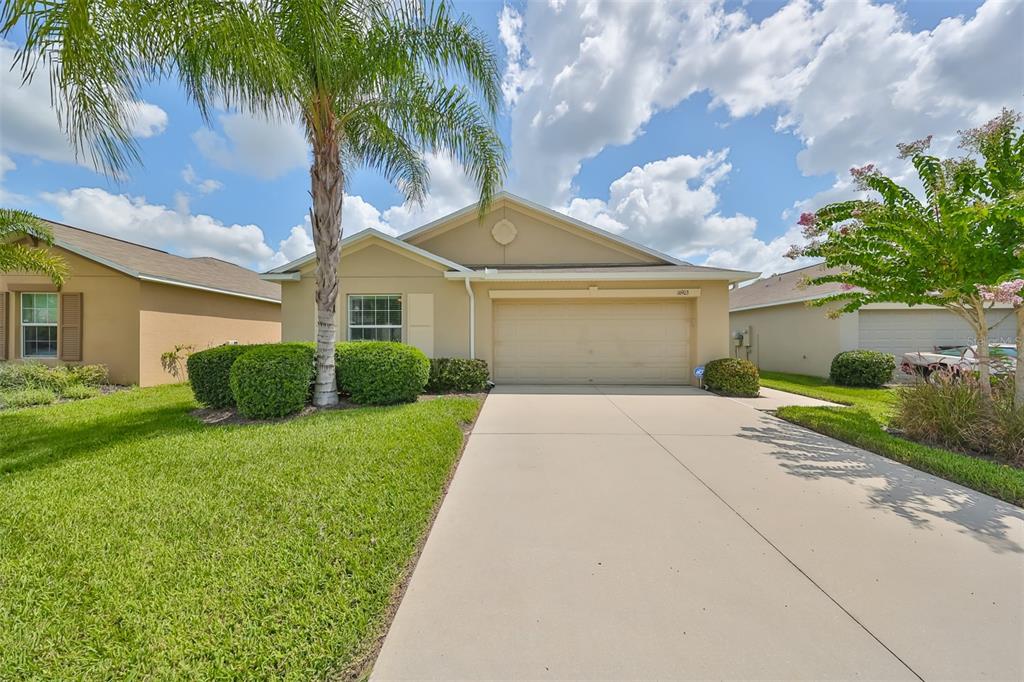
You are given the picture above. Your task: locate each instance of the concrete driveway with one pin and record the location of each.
(641, 533)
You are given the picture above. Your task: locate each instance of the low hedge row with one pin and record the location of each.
(274, 380)
(457, 375)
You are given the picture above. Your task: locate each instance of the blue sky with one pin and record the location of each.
(701, 129)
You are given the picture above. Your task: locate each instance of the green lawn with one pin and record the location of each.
(137, 543)
(863, 424)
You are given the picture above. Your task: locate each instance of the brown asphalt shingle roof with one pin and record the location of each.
(211, 273)
(787, 287)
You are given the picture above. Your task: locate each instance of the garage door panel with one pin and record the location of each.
(903, 331)
(575, 341)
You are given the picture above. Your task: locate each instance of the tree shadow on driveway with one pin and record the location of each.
(918, 497)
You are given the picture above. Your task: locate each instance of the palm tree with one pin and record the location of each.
(19, 257)
(374, 83)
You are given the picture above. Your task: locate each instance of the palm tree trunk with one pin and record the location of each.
(327, 183)
(1018, 376)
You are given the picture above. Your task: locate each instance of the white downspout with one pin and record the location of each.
(472, 319)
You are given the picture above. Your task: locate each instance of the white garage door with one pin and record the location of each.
(614, 342)
(904, 331)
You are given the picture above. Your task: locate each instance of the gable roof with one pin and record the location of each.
(360, 236)
(526, 203)
(153, 265)
(787, 287)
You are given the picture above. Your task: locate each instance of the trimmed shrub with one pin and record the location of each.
(27, 397)
(272, 380)
(865, 368)
(381, 372)
(79, 392)
(209, 372)
(733, 376)
(457, 375)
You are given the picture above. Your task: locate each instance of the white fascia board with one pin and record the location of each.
(775, 303)
(541, 276)
(869, 306)
(215, 290)
(515, 199)
(281, 277)
(366, 234)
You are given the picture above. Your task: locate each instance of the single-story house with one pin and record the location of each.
(125, 304)
(775, 327)
(542, 297)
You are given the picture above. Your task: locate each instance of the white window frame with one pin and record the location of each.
(24, 325)
(348, 316)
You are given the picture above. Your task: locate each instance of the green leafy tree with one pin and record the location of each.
(17, 256)
(965, 233)
(375, 83)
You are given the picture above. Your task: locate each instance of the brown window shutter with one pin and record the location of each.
(4, 297)
(71, 327)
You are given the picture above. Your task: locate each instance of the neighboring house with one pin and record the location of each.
(543, 298)
(786, 334)
(124, 304)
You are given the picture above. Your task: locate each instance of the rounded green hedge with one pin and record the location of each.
(381, 372)
(733, 376)
(209, 373)
(457, 375)
(272, 380)
(865, 368)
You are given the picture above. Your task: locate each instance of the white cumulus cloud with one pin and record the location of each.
(254, 145)
(848, 78)
(30, 123)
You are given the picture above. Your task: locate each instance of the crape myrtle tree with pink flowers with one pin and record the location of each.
(960, 246)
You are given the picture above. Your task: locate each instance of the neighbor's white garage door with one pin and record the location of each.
(572, 341)
(904, 331)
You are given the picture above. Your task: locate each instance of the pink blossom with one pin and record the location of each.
(861, 175)
(794, 252)
(1007, 292)
(859, 172)
(808, 218)
(909, 149)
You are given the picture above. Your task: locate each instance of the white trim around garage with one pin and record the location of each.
(604, 276)
(593, 293)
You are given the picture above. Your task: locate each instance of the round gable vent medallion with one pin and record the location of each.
(504, 231)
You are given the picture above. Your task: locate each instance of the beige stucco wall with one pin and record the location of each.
(538, 241)
(794, 338)
(377, 269)
(172, 315)
(110, 320)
